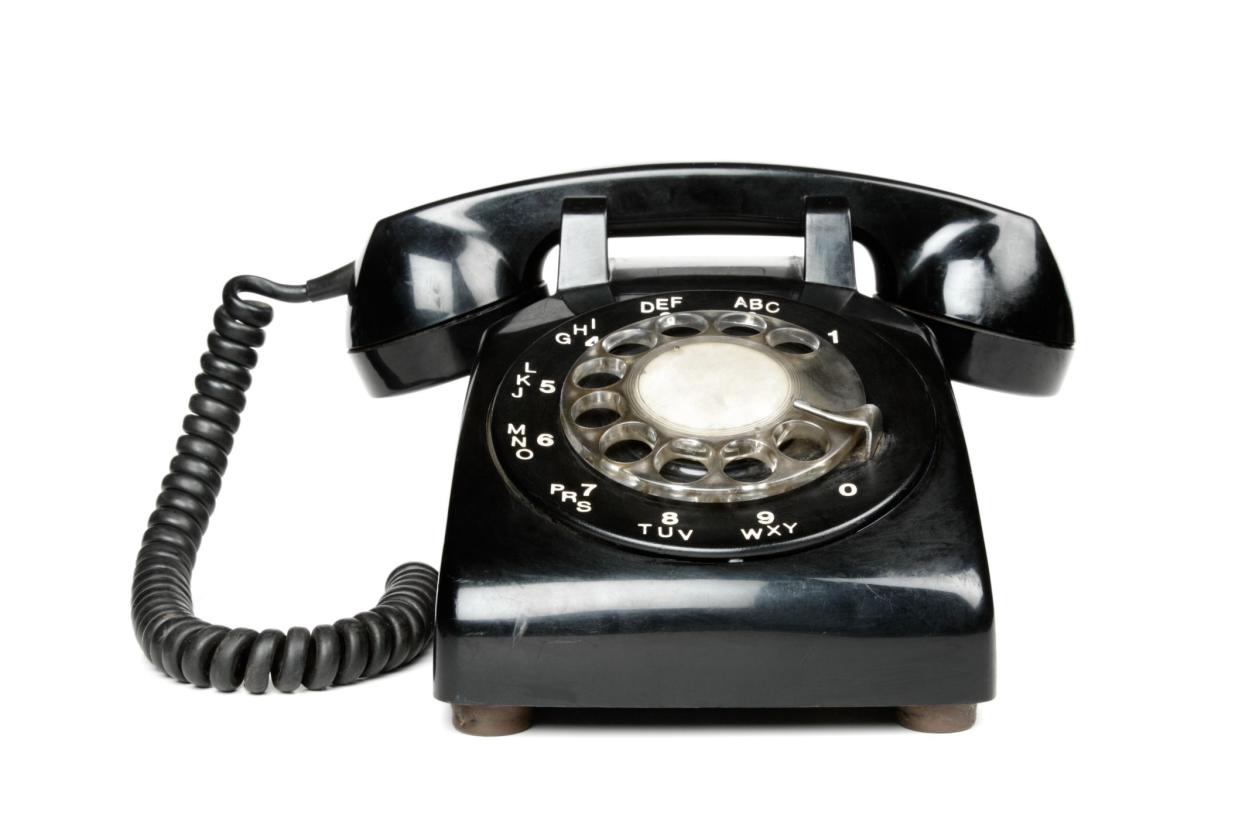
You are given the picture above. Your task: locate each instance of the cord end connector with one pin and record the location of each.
(337, 283)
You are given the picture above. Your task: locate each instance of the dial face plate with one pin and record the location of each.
(711, 424)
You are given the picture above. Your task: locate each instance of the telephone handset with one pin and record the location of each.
(678, 484)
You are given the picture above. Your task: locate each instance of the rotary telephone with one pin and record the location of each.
(679, 484)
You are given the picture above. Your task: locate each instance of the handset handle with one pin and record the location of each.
(983, 278)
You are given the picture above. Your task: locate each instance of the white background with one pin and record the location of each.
(151, 151)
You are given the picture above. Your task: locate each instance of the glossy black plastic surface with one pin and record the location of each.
(535, 610)
(941, 255)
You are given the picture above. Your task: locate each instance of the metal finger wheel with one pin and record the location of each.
(716, 406)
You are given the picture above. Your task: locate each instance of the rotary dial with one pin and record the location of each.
(710, 423)
(716, 406)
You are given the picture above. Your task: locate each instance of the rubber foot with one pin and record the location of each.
(937, 718)
(490, 720)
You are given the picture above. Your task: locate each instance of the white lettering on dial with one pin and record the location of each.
(667, 528)
(580, 497)
(518, 440)
(756, 304)
(586, 329)
(662, 305)
(768, 527)
(521, 381)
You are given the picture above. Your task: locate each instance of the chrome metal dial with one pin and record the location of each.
(716, 406)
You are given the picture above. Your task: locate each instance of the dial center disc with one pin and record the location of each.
(712, 387)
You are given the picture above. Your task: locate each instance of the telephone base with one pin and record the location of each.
(542, 607)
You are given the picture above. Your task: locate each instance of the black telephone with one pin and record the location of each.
(678, 484)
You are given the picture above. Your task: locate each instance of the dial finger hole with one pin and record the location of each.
(683, 470)
(682, 460)
(681, 325)
(599, 373)
(793, 341)
(628, 442)
(597, 410)
(741, 324)
(801, 440)
(748, 470)
(629, 342)
(748, 461)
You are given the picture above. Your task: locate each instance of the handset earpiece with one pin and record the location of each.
(430, 283)
(989, 289)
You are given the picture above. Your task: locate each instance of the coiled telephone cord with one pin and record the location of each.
(189, 649)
